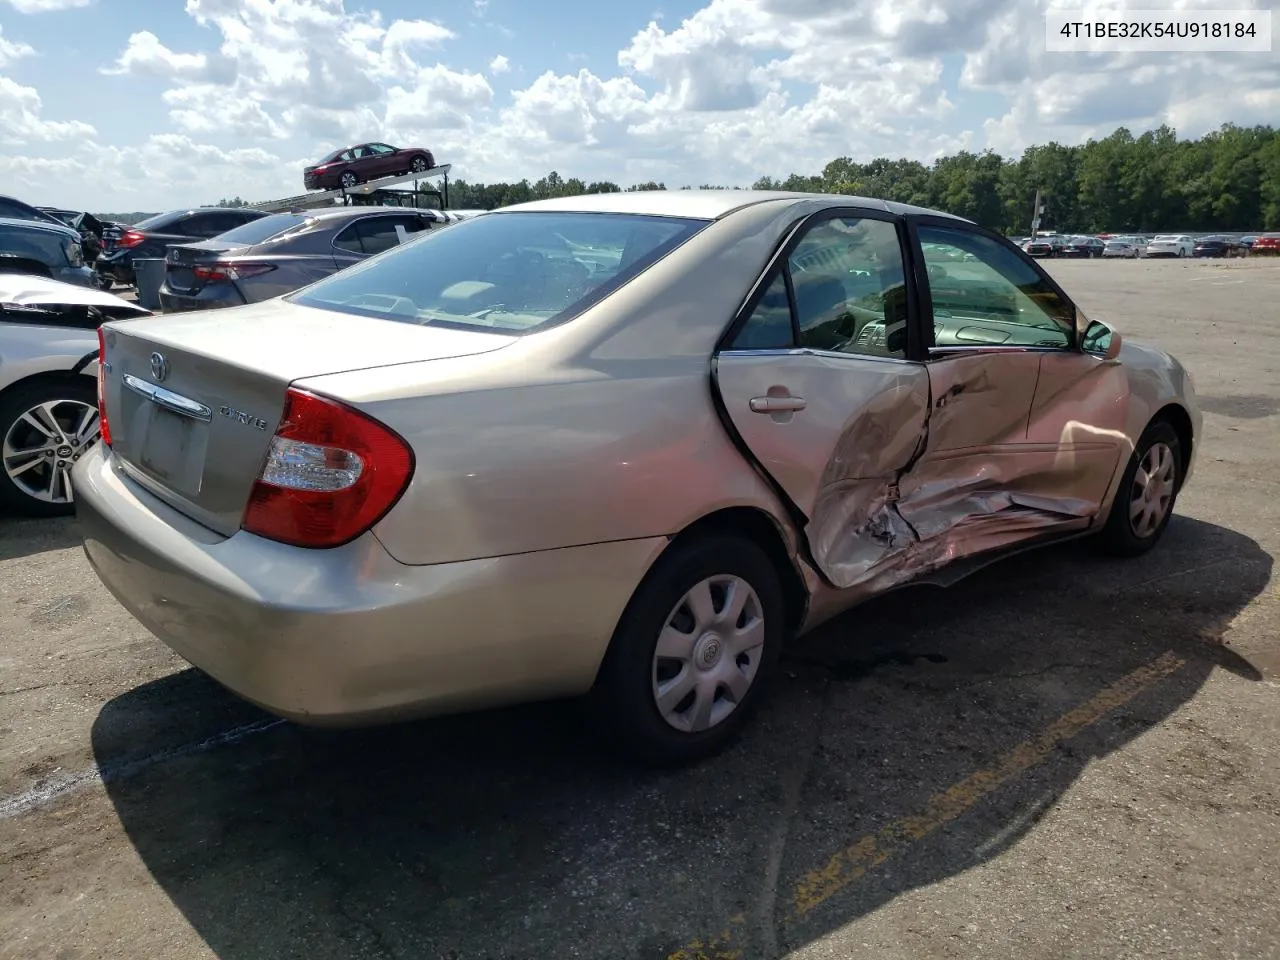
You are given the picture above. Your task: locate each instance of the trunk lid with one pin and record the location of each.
(194, 399)
(181, 260)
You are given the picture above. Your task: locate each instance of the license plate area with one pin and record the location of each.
(173, 449)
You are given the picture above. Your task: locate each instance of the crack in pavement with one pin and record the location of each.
(62, 783)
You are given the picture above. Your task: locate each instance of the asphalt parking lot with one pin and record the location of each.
(1061, 757)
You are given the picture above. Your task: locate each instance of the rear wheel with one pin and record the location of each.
(45, 427)
(348, 179)
(693, 653)
(1148, 490)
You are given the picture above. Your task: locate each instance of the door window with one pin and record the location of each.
(848, 293)
(349, 239)
(381, 148)
(983, 293)
(375, 234)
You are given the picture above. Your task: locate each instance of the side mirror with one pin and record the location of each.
(1100, 340)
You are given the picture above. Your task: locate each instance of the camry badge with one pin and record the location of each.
(159, 367)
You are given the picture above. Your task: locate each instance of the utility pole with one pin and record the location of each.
(1036, 214)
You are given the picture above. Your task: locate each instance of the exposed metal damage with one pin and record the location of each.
(927, 481)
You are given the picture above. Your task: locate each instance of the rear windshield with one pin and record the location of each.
(264, 228)
(514, 272)
(159, 220)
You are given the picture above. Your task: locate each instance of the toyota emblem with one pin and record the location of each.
(159, 367)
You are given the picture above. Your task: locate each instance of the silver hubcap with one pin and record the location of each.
(1152, 494)
(43, 444)
(708, 653)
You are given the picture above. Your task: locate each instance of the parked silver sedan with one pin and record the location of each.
(623, 445)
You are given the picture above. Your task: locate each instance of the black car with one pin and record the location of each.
(152, 237)
(1043, 247)
(1217, 246)
(86, 224)
(1082, 248)
(12, 208)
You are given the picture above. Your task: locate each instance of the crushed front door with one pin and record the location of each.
(835, 434)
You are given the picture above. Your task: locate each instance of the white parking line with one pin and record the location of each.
(61, 783)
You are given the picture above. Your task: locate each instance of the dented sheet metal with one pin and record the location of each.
(900, 468)
(839, 456)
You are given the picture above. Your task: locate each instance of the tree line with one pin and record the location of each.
(1228, 179)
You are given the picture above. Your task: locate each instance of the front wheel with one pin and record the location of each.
(693, 653)
(1148, 490)
(45, 427)
(419, 164)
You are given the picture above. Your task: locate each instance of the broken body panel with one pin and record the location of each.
(900, 467)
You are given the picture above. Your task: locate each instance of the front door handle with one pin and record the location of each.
(777, 404)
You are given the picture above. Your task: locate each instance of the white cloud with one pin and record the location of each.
(146, 55)
(737, 89)
(11, 50)
(20, 118)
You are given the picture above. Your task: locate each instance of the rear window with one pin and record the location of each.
(159, 220)
(264, 228)
(514, 272)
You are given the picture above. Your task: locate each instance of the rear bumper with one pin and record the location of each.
(116, 267)
(224, 295)
(350, 636)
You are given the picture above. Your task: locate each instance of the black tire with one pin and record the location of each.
(419, 164)
(623, 702)
(348, 179)
(13, 405)
(1118, 537)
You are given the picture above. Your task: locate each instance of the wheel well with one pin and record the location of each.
(48, 376)
(762, 530)
(1180, 420)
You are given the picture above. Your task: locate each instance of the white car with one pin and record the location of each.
(1171, 245)
(48, 386)
(1128, 248)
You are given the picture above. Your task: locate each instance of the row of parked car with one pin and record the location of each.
(215, 256)
(1108, 246)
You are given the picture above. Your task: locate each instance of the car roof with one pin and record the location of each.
(339, 212)
(700, 204)
(38, 225)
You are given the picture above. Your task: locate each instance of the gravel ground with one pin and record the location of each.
(1061, 757)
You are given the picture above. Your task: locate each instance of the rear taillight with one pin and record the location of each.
(330, 475)
(103, 426)
(230, 271)
(130, 238)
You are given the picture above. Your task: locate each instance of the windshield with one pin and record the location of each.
(264, 228)
(514, 272)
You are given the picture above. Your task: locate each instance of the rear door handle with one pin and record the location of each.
(777, 404)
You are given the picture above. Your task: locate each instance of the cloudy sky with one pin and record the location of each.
(147, 104)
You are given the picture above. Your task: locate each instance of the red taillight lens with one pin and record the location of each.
(230, 271)
(103, 426)
(330, 475)
(130, 238)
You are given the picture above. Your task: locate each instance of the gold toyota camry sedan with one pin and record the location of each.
(623, 445)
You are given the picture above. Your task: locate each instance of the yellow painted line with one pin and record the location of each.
(818, 886)
(713, 948)
(853, 862)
